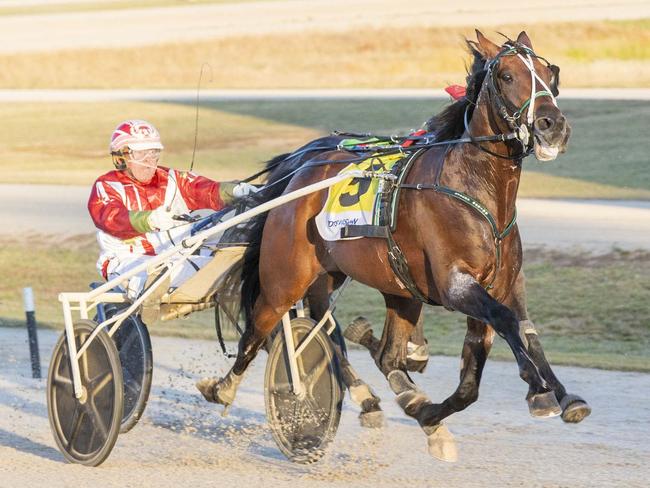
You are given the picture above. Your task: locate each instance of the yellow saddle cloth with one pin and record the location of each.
(354, 201)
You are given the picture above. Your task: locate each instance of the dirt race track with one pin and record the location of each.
(182, 440)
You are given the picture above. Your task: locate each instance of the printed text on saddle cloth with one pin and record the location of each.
(354, 201)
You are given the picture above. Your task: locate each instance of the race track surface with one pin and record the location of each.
(183, 441)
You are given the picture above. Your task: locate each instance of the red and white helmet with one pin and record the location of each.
(136, 135)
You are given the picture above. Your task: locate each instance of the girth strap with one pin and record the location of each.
(482, 210)
(397, 259)
(399, 265)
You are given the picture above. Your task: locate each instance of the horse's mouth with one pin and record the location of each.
(545, 151)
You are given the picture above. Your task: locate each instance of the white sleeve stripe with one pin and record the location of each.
(119, 188)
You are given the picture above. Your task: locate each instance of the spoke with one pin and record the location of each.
(75, 426)
(83, 360)
(99, 382)
(281, 389)
(301, 365)
(312, 378)
(318, 412)
(93, 434)
(132, 389)
(99, 421)
(127, 376)
(63, 382)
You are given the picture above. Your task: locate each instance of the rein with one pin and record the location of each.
(521, 131)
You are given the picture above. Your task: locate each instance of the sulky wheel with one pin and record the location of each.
(86, 429)
(302, 427)
(134, 347)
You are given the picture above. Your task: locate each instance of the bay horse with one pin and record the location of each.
(456, 231)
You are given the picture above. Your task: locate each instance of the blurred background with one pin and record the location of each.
(278, 73)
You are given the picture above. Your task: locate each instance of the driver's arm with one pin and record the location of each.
(201, 192)
(110, 215)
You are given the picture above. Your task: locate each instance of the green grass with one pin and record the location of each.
(590, 310)
(66, 143)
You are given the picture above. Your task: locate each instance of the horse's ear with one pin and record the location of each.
(523, 38)
(486, 47)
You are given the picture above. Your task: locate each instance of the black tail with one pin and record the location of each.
(280, 174)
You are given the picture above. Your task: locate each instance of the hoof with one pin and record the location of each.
(416, 366)
(360, 392)
(372, 420)
(399, 382)
(544, 405)
(149, 314)
(574, 409)
(357, 330)
(206, 387)
(441, 444)
(417, 357)
(220, 391)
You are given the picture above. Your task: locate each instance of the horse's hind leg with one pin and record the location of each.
(476, 347)
(402, 315)
(371, 415)
(282, 283)
(574, 408)
(266, 317)
(417, 357)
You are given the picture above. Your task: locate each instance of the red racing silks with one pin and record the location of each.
(409, 142)
(456, 91)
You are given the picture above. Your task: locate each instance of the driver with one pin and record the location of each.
(136, 206)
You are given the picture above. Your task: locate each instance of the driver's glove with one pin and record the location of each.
(242, 190)
(160, 219)
(230, 191)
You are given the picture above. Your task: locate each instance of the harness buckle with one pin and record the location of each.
(523, 134)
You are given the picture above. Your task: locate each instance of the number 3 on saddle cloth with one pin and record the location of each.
(354, 207)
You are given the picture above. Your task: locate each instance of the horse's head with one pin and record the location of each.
(522, 87)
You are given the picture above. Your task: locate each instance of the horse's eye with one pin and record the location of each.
(507, 77)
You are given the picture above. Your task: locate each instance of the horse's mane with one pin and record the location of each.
(449, 124)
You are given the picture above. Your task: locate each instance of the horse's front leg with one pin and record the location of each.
(466, 295)
(574, 408)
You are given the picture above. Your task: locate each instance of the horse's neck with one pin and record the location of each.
(492, 180)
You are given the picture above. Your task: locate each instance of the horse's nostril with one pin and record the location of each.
(543, 124)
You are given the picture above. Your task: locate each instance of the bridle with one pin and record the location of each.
(509, 112)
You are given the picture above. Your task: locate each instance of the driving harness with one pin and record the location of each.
(388, 220)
